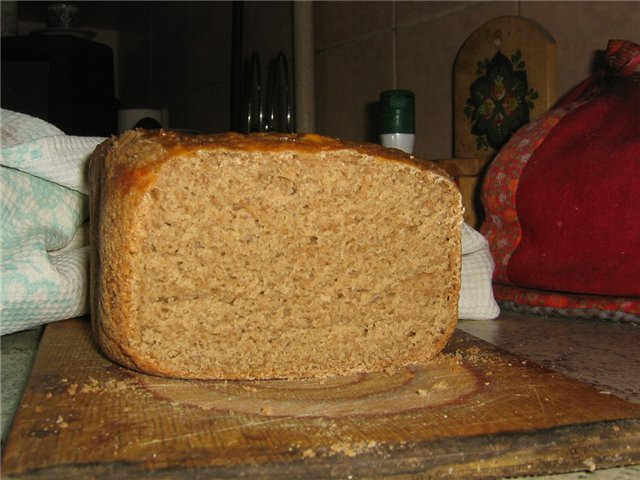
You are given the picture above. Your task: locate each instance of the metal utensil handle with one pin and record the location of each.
(279, 119)
(254, 115)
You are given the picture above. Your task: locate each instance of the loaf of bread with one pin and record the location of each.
(270, 256)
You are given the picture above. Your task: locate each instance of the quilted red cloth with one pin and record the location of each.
(562, 199)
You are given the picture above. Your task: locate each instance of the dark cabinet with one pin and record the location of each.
(65, 80)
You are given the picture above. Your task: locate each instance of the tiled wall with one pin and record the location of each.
(363, 48)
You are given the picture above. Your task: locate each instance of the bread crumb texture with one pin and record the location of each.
(247, 263)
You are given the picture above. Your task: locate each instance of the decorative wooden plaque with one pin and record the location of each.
(505, 75)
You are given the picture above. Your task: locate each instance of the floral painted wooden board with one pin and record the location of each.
(505, 75)
(500, 100)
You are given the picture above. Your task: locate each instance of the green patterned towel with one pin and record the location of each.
(43, 213)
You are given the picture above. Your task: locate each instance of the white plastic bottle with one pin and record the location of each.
(397, 119)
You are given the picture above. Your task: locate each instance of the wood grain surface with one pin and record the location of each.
(476, 412)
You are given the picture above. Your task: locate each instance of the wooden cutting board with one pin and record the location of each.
(476, 412)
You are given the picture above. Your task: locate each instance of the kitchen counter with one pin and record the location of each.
(18, 352)
(602, 353)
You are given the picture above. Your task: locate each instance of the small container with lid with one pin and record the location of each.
(397, 119)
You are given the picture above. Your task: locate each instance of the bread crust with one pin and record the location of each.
(123, 169)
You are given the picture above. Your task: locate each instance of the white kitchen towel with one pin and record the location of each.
(476, 294)
(43, 213)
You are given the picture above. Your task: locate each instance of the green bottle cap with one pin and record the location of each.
(397, 112)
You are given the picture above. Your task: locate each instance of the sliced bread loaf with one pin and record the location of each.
(270, 256)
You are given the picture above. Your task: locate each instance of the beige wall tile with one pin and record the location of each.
(425, 58)
(582, 28)
(349, 79)
(408, 13)
(339, 22)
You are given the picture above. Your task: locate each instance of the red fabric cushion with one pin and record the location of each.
(578, 201)
(562, 201)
